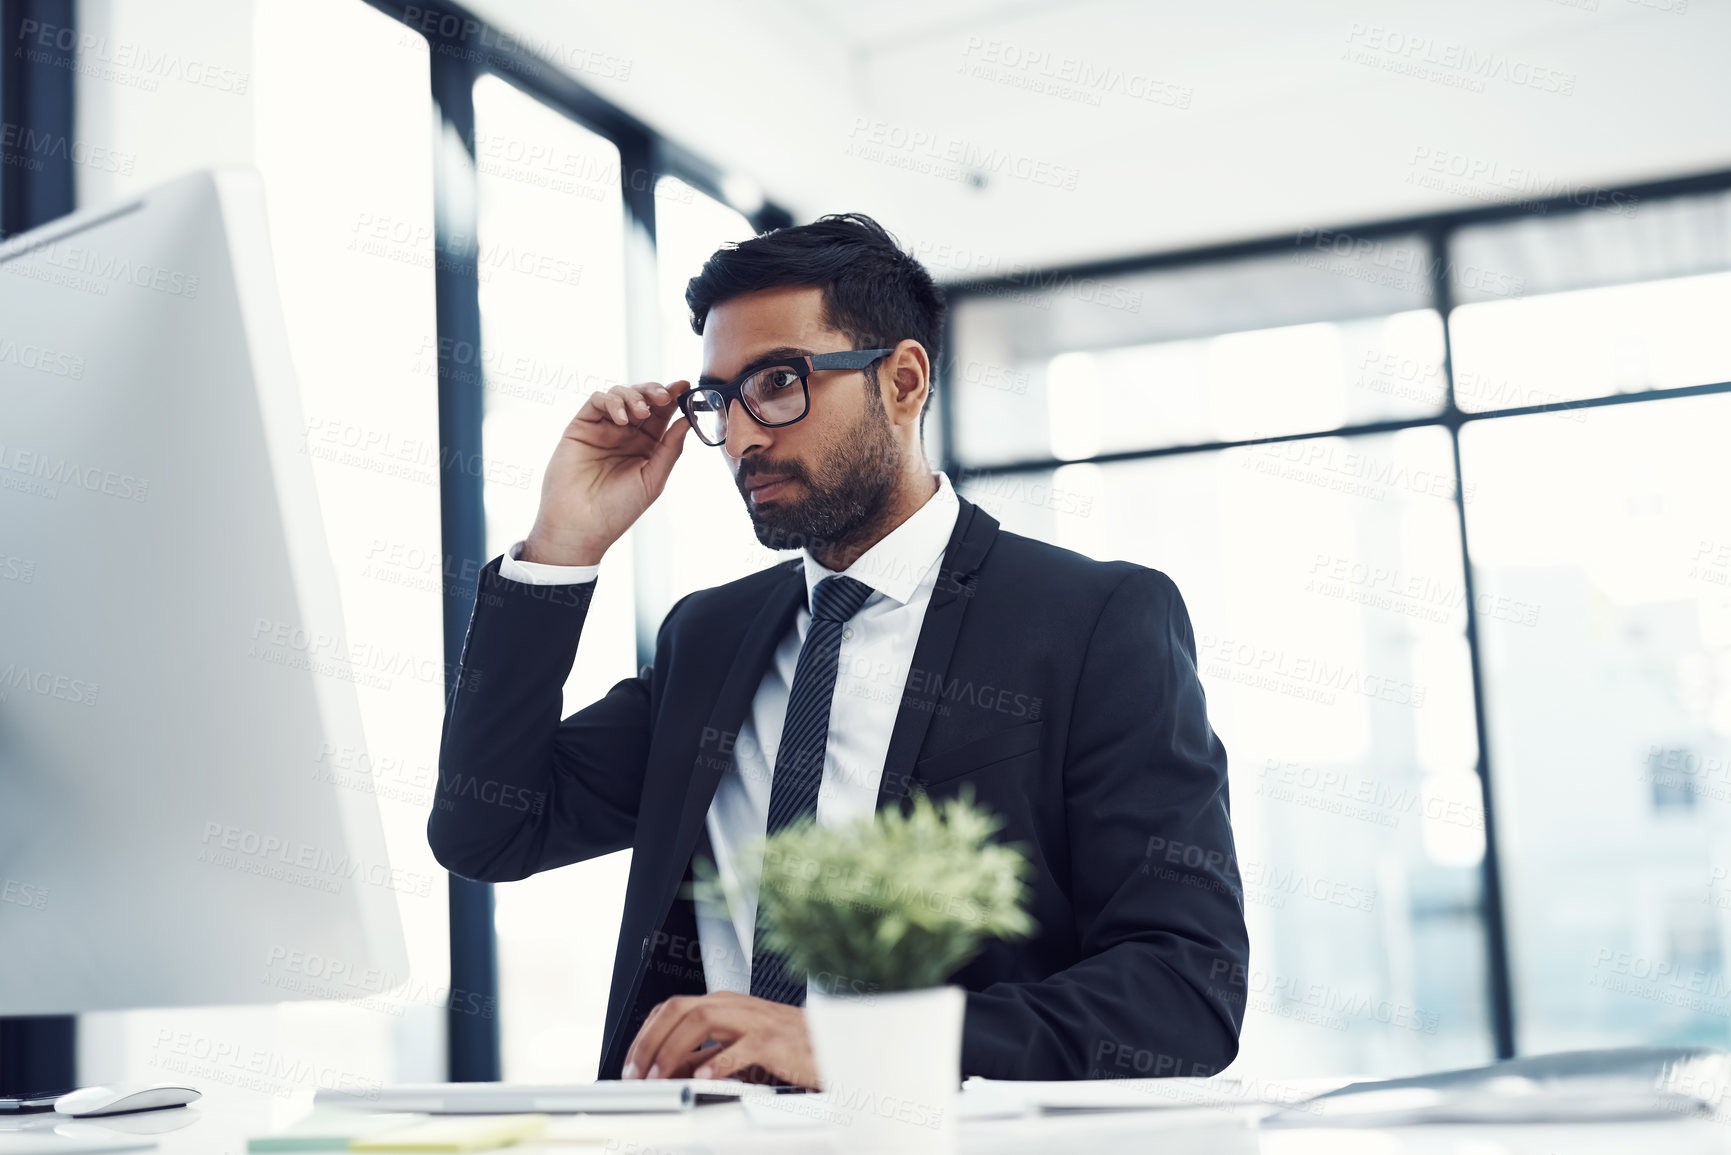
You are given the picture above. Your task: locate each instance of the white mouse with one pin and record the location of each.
(119, 1098)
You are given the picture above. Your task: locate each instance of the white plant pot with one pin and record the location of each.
(891, 1065)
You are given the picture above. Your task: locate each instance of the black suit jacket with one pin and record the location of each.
(1063, 688)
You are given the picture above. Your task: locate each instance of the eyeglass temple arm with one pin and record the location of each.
(846, 358)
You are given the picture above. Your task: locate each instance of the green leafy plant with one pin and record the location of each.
(895, 902)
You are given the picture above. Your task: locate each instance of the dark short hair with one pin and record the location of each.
(872, 290)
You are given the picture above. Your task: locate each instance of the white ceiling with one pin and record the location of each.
(1299, 112)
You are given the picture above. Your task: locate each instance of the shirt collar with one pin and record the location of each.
(900, 560)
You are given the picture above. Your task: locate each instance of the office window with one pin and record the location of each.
(1336, 332)
(337, 116)
(1599, 570)
(1602, 542)
(552, 288)
(1620, 301)
(701, 516)
(1324, 584)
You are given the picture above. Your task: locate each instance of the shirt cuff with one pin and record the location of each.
(538, 573)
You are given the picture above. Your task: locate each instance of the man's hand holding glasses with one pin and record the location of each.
(614, 458)
(612, 462)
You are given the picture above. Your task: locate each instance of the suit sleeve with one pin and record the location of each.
(521, 791)
(1155, 889)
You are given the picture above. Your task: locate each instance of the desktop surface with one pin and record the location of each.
(222, 1123)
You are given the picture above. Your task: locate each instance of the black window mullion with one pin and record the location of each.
(473, 1051)
(1497, 976)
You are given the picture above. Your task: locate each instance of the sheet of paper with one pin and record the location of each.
(457, 1133)
(331, 1130)
(986, 1098)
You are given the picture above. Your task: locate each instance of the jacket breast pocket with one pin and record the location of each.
(978, 753)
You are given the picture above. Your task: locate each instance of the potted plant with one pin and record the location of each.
(878, 913)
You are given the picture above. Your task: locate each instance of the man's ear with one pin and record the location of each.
(909, 367)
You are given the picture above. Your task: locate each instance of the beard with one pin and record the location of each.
(859, 478)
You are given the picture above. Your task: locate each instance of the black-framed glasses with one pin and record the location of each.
(775, 394)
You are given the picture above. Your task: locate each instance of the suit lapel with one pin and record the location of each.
(775, 616)
(969, 540)
(972, 536)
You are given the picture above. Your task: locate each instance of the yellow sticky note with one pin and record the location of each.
(457, 1133)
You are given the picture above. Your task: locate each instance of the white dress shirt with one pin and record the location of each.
(877, 649)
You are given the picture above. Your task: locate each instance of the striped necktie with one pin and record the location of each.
(799, 759)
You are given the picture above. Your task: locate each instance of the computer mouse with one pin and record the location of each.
(120, 1098)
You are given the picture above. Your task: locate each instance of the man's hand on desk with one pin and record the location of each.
(757, 1040)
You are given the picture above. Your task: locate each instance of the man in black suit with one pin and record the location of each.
(948, 652)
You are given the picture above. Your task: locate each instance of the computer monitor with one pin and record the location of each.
(173, 672)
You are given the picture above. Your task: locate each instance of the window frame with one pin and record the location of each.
(1438, 231)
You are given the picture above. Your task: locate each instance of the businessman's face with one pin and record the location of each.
(839, 464)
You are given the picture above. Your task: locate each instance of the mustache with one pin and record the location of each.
(744, 479)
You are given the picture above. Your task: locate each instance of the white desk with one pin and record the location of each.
(221, 1125)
